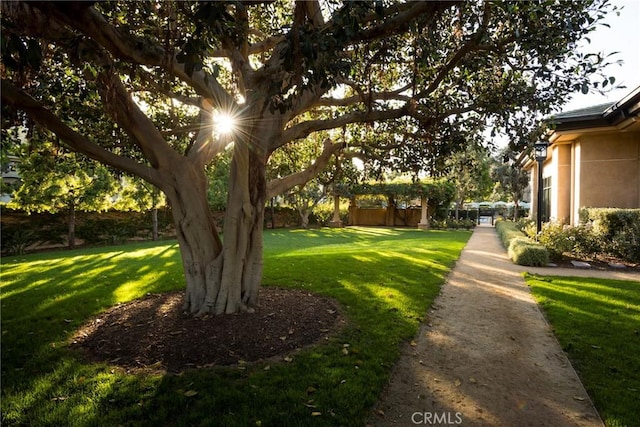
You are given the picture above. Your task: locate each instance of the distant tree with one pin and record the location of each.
(301, 157)
(510, 179)
(469, 170)
(138, 195)
(55, 180)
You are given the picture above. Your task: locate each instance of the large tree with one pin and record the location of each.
(155, 73)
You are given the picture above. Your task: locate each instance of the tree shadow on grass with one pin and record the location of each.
(45, 302)
(384, 290)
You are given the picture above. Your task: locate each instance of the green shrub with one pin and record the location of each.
(323, 214)
(527, 226)
(467, 224)
(107, 230)
(617, 231)
(524, 251)
(507, 231)
(437, 224)
(453, 224)
(557, 238)
(521, 250)
(626, 244)
(16, 240)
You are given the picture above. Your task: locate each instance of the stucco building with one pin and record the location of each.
(593, 160)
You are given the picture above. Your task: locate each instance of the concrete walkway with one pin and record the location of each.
(488, 356)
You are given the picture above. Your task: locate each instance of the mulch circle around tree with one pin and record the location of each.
(154, 333)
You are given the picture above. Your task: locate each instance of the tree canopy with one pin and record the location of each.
(137, 85)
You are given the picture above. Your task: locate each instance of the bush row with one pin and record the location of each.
(456, 224)
(21, 232)
(608, 231)
(616, 230)
(521, 249)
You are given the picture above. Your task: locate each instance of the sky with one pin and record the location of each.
(622, 36)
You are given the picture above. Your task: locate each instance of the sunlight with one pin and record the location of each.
(224, 123)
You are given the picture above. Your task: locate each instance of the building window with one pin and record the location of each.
(546, 199)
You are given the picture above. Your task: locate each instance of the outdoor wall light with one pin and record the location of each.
(540, 150)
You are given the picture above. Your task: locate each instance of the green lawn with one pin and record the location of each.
(385, 279)
(597, 322)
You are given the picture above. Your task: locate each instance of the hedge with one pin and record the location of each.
(521, 249)
(617, 230)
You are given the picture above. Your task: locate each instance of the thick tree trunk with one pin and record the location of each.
(243, 227)
(200, 244)
(222, 277)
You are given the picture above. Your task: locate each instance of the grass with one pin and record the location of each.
(597, 322)
(385, 280)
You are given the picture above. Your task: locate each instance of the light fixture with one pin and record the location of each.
(540, 150)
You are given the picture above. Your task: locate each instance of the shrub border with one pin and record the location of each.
(521, 249)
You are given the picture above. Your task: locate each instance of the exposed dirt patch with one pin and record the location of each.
(154, 333)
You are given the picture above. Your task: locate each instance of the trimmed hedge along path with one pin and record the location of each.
(488, 357)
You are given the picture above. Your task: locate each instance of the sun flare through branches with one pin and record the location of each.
(224, 123)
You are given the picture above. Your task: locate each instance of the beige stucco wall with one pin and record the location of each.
(559, 169)
(609, 170)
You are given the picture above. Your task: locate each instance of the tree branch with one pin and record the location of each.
(76, 141)
(129, 48)
(281, 185)
(304, 129)
(403, 17)
(395, 95)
